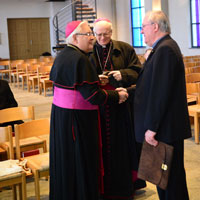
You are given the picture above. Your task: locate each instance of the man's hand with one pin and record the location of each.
(149, 137)
(116, 74)
(103, 79)
(122, 96)
(121, 89)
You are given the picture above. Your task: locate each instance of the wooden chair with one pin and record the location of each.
(192, 77)
(14, 179)
(22, 113)
(21, 74)
(13, 70)
(43, 78)
(189, 70)
(31, 61)
(190, 64)
(39, 164)
(194, 111)
(30, 70)
(193, 90)
(6, 70)
(47, 58)
(32, 76)
(196, 69)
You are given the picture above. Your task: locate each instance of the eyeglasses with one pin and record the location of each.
(86, 34)
(144, 25)
(103, 34)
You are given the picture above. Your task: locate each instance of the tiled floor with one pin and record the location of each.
(42, 109)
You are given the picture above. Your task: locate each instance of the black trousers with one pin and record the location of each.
(177, 187)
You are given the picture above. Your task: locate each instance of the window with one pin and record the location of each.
(195, 22)
(137, 13)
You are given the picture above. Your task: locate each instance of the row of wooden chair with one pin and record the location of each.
(40, 79)
(10, 65)
(193, 85)
(190, 70)
(27, 137)
(31, 74)
(195, 58)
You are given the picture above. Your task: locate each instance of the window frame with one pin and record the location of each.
(192, 24)
(140, 8)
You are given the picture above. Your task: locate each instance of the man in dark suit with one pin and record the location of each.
(160, 105)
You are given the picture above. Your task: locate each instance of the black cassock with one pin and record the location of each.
(119, 148)
(76, 167)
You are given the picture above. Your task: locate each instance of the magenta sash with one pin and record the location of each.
(71, 99)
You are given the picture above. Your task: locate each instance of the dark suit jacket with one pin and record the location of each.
(7, 100)
(160, 102)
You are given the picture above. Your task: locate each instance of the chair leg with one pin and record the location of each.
(18, 85)
(10, 81)
(22, 83)
(20, 191)
(40, 88)
(14, 80)
(44, 89)
(37, 185)
(14, 191)
(23, 186)
(33, 85)
(196, 128)
(29, 85)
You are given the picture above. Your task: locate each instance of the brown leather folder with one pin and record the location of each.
(155, 163)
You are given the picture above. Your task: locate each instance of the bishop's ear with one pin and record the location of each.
(74, 38)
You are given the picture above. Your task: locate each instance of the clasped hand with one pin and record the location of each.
(123, 95)
(122, 92)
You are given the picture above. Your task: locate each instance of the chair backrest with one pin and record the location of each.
(32, 68)
(14, 63)
(22, 67)
(4, 62)
(193, 89)
(43, 71)
(17, 113)
(189, 64)
(47, 58)
(192, 77)
(31, 60)
(30, 129)
(6, 136)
